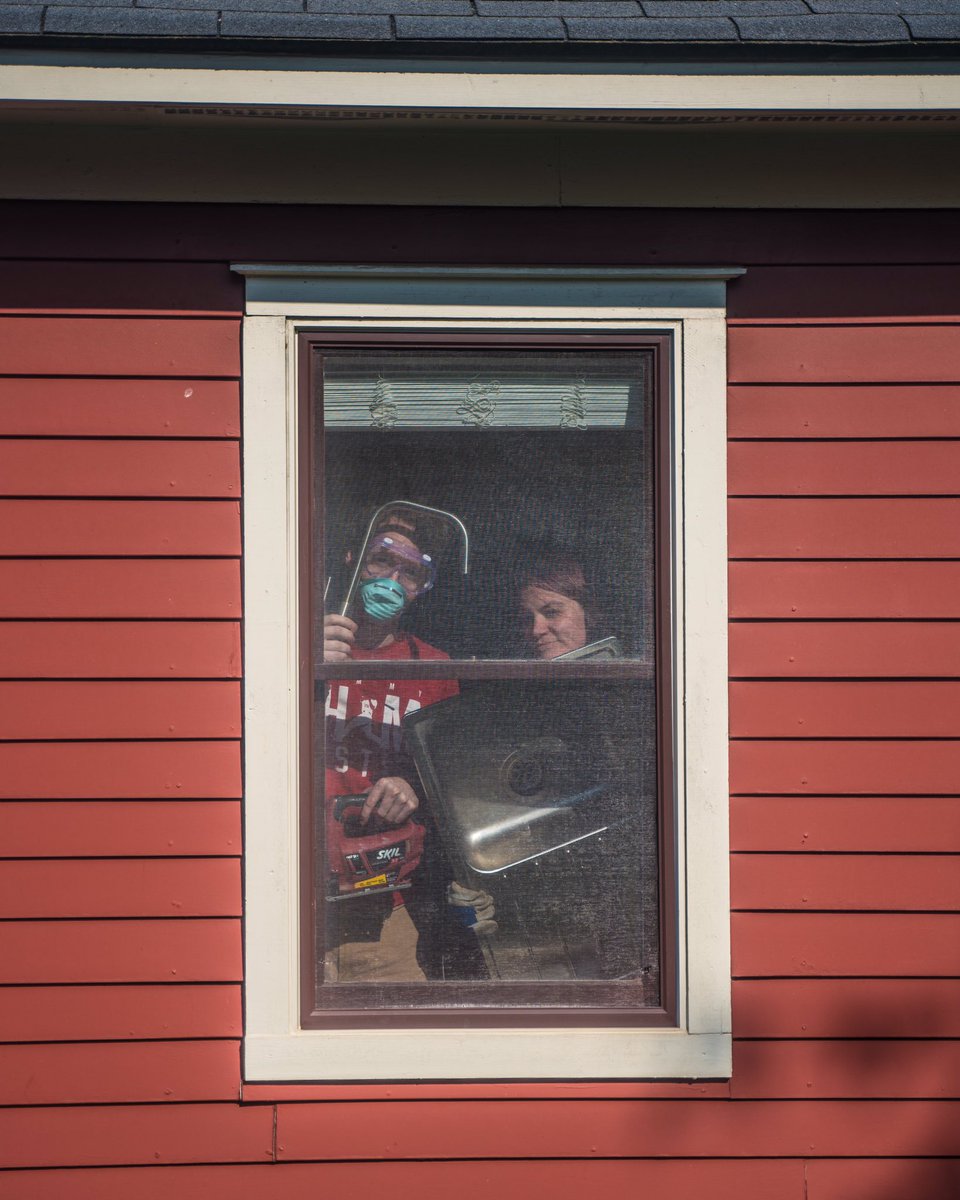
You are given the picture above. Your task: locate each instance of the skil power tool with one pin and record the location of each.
(369, 859)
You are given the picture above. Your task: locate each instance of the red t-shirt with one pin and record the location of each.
(364, 741)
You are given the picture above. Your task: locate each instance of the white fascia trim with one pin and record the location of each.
(495, 91)
(275, 1048)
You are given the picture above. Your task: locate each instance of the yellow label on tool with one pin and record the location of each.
(376, 881)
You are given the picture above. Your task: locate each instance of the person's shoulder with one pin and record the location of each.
(425, 650)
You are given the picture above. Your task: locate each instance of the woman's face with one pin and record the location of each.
(554, 623)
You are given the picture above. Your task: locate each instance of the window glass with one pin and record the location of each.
(485, 778)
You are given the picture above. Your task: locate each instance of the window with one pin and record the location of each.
(559, 435)
(525, 552)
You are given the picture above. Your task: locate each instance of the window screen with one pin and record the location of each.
(483, 810)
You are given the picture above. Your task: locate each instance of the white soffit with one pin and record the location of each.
(439, 92)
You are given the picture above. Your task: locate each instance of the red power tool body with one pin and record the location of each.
(369, 859)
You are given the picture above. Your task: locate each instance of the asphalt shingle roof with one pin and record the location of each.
(575, 23)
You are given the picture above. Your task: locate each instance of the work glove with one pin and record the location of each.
(472, 908)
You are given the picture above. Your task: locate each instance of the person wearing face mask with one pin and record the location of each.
(366, 754)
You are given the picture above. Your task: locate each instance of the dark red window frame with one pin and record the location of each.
(513, 1004)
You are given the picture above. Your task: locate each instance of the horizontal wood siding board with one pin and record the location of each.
(104, 1134)
(61, 230)
(854, 468)
(120, 649)
(888, 824)
(131, 408)
(855, 590)
(87, 467)
(875, 410)
(117, 588)
(846, 1008)
(888, 353)
(123, 1012)
(119, 887)
(107, 528)
(201, 950)
(882, 1179)
(170, 770)
(881, 290)
(655, 1128)
(139, 346)
(681, 1179)
(885, 945)
(119, 286)
(861, 767)
(846, 882)
(839, 708)
(66, 710)
(843, 648)
(128, 1072)
(875, 528)
(848, 1069)
(119, 828)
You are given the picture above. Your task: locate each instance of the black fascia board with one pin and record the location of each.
(463, 53)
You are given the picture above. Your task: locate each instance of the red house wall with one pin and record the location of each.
(120, 710)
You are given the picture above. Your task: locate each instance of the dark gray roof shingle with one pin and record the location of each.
(756, 24)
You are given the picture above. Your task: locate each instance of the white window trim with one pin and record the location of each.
(690, 305)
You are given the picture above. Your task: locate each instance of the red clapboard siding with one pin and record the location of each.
(884, 353)
(119, 346)
(117, 588)
(857, 823)
(108, 1072)
(121, 285)
(577, 1129)
(849, 469)
(120, 649)
(847, 944)
(139, 887)
(103, 1013)
(821, 648)
(854, 767)
(166, 408)
(95, 828)
(846, 1008)
(120, 770)
(119, 527)
(891, 882)
(851, 411)
(806, 708)
(70, 467)
(681, 1179)
(159, 709)
(38, 1137)
(836, 291)
(158, 951)
(836, 1070)
(516, 1180)
(856, 589)
(883, 1178)
(878, 528)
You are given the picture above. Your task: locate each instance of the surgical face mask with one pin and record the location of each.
(382, 599)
